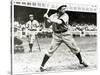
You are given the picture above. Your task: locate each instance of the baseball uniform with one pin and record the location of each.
(32, 28)
(61, 34)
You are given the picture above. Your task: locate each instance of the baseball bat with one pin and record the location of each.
(48, 10)
(38, 43)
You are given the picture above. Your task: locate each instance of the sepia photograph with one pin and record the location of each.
(52, 37)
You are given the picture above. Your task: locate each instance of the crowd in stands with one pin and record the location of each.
(85, 27)
(46, 32)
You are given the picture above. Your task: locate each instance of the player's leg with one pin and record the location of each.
(32, 38)
(54, 45)
(70, 42)
(30, 44)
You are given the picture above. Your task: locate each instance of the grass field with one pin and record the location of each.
(62, 60)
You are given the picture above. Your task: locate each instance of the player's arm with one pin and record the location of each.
(47, 19)
(27, 24)
(26, 27)
(58, 21)
(37, 25)
(62, 20)
(51, 19)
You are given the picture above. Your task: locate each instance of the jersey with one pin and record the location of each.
(60, 27)
(32, 25)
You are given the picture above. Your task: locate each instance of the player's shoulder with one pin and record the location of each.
(65, 14)
(35, 20)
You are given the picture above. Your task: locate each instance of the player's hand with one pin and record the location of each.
(46, 16)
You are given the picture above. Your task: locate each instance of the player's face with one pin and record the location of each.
(62, 10)
(31, 18)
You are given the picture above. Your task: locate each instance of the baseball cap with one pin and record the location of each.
(31, 15)
(61, 7)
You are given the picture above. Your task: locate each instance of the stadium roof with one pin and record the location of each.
(71, 7)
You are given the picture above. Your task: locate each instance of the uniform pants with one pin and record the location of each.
(66, 38)
(31, 36)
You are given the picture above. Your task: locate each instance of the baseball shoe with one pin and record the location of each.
(84, 64)
(42, 69)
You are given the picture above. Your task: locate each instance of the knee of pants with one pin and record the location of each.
(31, 40)
(75, 50)
(48, 54)
(50, 51)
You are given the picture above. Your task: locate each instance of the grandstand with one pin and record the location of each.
(82, 23)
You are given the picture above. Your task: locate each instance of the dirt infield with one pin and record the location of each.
(62, 60)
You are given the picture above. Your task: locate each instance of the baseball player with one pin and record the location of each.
(32, 29)
(61, 34)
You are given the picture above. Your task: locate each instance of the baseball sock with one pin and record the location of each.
(45, 59)
(30, 45)
(79, 57)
